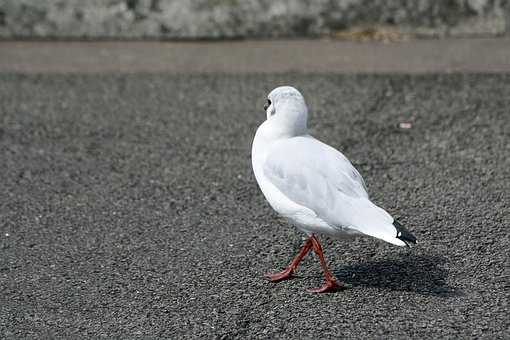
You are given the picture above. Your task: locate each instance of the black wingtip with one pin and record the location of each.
(404, 234)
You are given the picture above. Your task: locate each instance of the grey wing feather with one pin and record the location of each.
(320, 178)
(312, 173)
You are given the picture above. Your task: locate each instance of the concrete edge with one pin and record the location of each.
(488, 55)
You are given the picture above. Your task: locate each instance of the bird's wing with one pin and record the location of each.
(308, 165)
(318, 177)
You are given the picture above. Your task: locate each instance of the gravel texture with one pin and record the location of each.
(206, 19)
(129, 207)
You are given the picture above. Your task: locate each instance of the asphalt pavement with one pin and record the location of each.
(128, 208)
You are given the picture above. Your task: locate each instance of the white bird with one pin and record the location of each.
(313, 185)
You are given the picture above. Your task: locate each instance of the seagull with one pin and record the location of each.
(314, 186)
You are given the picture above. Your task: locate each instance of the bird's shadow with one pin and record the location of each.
(420, 274)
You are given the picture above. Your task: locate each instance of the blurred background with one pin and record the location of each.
(254, 36)
(249, 19)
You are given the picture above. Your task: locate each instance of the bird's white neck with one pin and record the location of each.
(289, 121)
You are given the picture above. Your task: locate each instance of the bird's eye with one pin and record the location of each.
(267, 104)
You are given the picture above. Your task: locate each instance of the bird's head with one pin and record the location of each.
(286, 110)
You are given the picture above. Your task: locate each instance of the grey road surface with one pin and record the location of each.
(128, 207)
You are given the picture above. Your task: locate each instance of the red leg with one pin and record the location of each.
(331, 284)
(287, 273)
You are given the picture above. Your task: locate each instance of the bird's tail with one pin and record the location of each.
(403, 234)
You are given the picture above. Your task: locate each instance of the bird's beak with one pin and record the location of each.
(266, 105)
